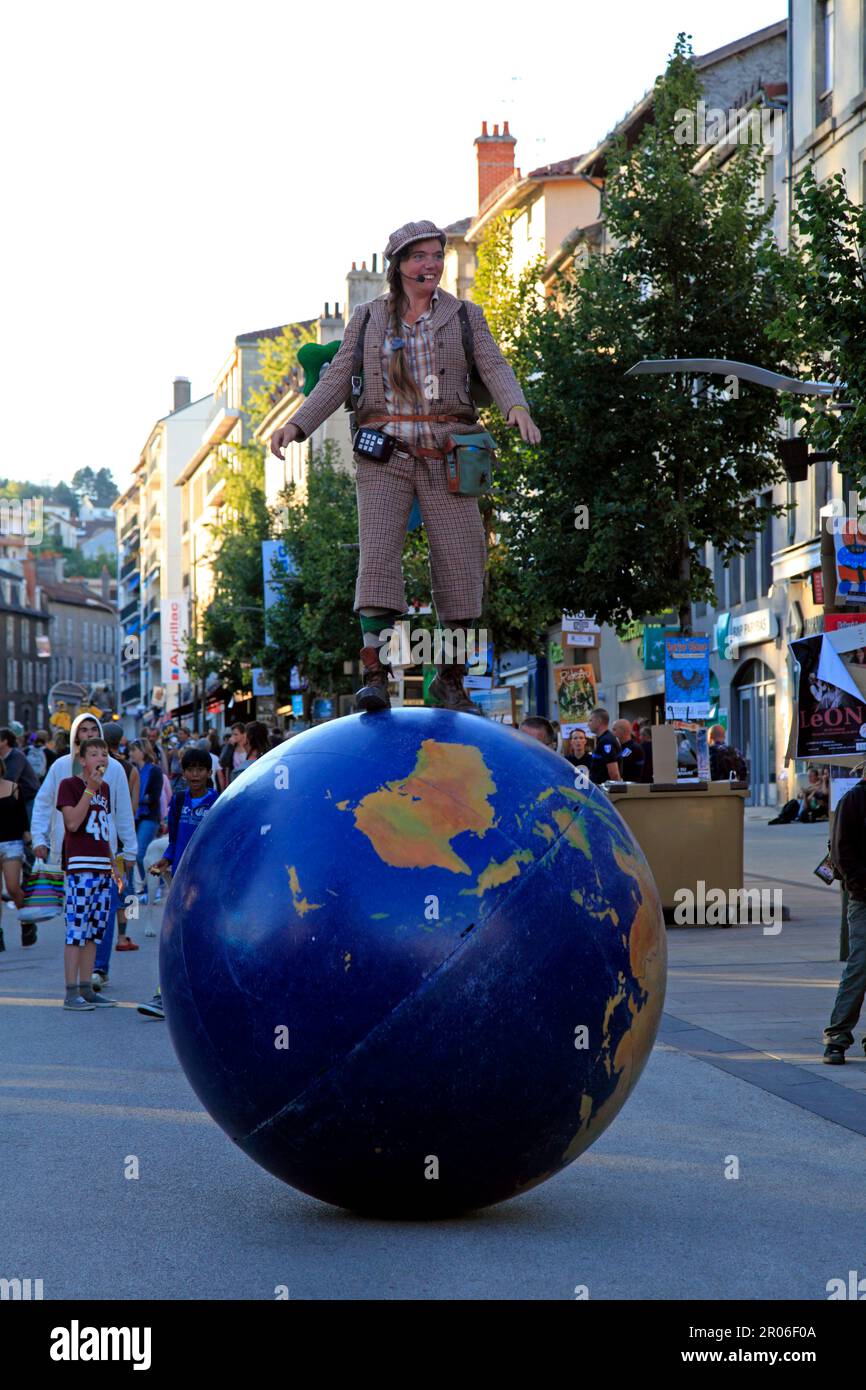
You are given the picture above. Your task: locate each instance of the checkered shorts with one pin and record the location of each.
(88, 904)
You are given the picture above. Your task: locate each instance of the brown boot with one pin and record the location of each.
(373, 695)
(446, 690)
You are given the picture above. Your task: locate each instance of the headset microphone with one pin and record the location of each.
(419, 279)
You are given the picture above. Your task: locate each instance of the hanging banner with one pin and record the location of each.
(687, 677)
(850, 543)
(275, 558)
(831, 713)
(261, 685)
(576, 696)
(833, 621)
(174, 629)
(654, 646)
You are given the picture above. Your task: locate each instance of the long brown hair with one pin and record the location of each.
(399, 375)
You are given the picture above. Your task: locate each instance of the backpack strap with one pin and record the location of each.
(468, 341)
(358, 365)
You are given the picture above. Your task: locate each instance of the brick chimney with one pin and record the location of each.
(182, 392)
(495, 159)
(105, 579)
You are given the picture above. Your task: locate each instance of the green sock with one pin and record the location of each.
(373, 623)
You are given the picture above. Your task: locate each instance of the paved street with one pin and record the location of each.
(646, 1213)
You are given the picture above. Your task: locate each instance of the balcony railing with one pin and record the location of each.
(223, 419)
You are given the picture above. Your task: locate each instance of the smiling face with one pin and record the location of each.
(425, 258)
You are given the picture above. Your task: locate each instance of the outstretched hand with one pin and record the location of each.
(280, 438)
(522, 420)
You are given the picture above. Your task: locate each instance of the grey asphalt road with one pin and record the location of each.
(648, 1212)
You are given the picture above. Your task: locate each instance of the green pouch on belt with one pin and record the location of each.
(470, 463)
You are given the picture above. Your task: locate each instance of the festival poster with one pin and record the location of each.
(831, 713)
(575, 697)
(850, 543)
(687, 677)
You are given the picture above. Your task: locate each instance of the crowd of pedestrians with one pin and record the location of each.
(81, 817)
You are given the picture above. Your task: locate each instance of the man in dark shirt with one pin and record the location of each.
(605, 765)
(632, 751)
(18, 770)
(848, 854)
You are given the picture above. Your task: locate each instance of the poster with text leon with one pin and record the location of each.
(831, 699)
(687, 677)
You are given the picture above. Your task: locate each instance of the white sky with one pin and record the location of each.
(178, 173)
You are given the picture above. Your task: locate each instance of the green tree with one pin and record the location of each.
(84, 483)
(822, 323)
(313, 626)
(278, 357)
(663, 465)
(232, 628)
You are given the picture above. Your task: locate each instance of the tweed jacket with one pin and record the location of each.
(451, 367)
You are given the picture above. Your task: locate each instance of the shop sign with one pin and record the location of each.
(749, 628)
(579, 622)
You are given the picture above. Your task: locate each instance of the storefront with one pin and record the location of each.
(753, 728)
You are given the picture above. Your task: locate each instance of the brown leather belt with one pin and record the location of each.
(418, 450)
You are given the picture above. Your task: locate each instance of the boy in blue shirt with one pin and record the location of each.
(189, 806)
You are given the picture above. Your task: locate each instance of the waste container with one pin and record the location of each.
(690, 832)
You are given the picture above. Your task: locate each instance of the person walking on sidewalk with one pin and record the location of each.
(404, 361)
(13, 828)
(85, 804)
(848, 853)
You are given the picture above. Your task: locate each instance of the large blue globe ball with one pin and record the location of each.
(408, 966)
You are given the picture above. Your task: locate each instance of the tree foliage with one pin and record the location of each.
(663, 464)
(232, 627)
(312, 626)
(822, 323)
(278, 357)
(100, 487)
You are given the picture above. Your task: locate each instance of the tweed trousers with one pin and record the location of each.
(455, 533)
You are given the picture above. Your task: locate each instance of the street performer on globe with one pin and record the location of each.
(406, 363)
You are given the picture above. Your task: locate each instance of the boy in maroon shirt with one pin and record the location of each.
(85, 803)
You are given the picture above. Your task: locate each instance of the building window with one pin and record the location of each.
(10, 632)
(750, 565)
(734, 583)
(719, 577)
(823, 60)
(821, 480)
(767, 545)
(700, 609)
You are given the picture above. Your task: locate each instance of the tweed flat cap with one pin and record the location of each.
(412, 231)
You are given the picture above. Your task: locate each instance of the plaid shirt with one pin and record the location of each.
(419, 358)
